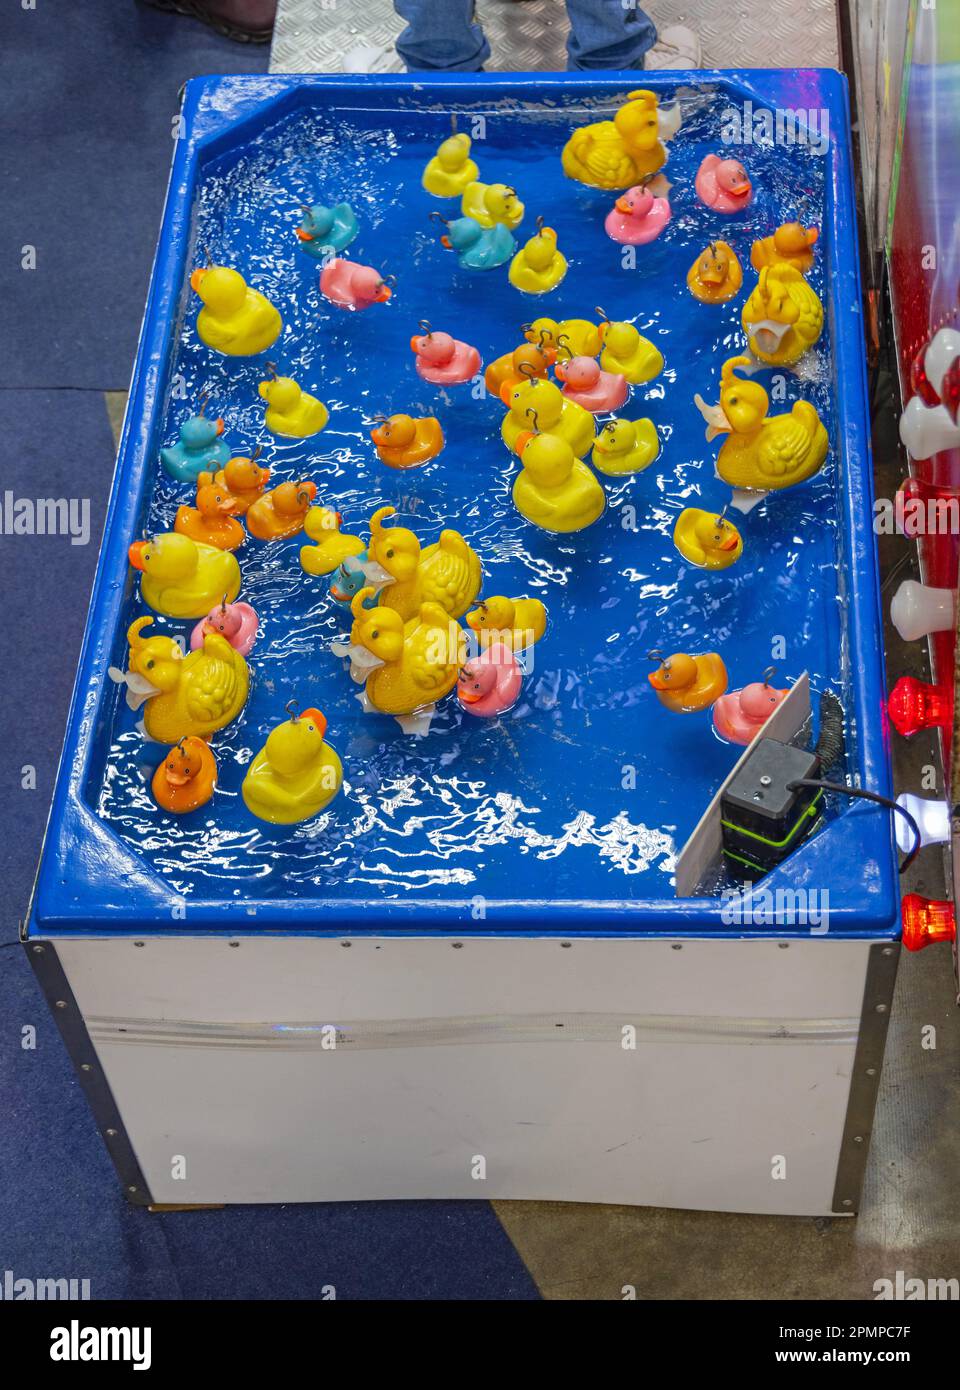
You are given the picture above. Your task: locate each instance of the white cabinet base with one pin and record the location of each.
(731, 1075)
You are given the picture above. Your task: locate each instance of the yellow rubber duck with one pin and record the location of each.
(580, 336)
(716, 275)
(515, 622)
(783, 316)
(183, 578)
(185, 695)
(624, 151)
(296, 774)
(762, 453)
(628, 352)
(791, 243)
(447, 574)
(413, 664)
(554, 489)
(235, 319)
(290, 410)
(451, 170)
(332, 547)
(538, 266)
(688, 683)
(492, 203)
(706, 539)
(542, 405)
(625, 446)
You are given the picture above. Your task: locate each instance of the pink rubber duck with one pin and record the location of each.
(237, 622)
(353, 286)
(490, 683)
(739, 715)
(723, 184)
(444, 360)
(586, 384)
(637, 217)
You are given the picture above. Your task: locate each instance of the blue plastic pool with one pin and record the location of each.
(565, 815)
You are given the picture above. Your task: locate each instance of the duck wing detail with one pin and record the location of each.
(600, 149)
(434, 652)
(217, 684)
(450, 577)
(810, 323)
(783, 446)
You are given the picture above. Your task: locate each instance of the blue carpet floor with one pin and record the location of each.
(89, 93)
(57, 445)
(62, 1214)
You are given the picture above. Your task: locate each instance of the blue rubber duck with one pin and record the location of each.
(324, 229)
(199, 449)
(349, 578)
(479, 248)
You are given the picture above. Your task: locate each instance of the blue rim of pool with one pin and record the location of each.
(92, 883)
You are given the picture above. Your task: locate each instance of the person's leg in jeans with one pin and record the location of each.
(441, 36)
(608, 34)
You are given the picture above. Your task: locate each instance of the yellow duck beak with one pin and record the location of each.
(197, 278)
(135, 554)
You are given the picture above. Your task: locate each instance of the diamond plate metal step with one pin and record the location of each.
(525, 35)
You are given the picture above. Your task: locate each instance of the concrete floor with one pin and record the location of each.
(910, 1212)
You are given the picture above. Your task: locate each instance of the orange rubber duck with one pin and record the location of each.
(510, 369)
(405, 442)
(243, 478)
(716, 275)
(688, 683)
(792, 242)
(281, 512)
(211, 521)
(187, 776)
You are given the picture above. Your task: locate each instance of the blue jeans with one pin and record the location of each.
(441, 35)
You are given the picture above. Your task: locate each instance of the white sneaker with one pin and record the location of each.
(676, 47)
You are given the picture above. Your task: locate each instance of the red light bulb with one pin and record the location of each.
(926, 921)
(920, 382)
(950, 389)
(916, 705)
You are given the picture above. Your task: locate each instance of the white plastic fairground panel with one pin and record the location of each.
(698, 1074)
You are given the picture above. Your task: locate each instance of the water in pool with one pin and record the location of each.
(589, 786)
